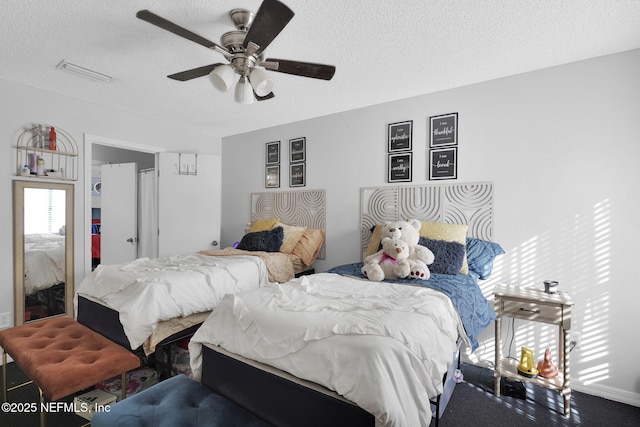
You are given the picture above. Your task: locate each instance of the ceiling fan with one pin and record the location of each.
(244, 49)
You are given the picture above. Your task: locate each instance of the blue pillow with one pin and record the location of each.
(448, 255)
(480, 256)
(267, 241)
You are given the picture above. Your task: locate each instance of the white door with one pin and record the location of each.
(118, 213)
(189, 194)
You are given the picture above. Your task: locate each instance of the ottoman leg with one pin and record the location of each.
(4, 376)
(43, 420)
(123, 381)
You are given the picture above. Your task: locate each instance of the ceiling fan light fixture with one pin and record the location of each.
(244, 49)
(244, 92)
(261, 82)
(222, 77)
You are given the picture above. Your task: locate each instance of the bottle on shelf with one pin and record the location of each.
(52, 138)
(37, 136)
(40, 163)
(26, 171)
(33, 163)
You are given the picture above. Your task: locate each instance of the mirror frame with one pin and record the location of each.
(18, 246)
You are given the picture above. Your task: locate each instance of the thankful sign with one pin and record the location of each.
(444, 130)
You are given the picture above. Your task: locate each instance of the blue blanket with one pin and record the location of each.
(475, 311)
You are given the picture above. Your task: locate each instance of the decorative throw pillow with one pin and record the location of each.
(263, 224)
(309, 245)
(449, 233)
(267, 240)
(480, 256)
(448, 255)
(374, 242)
(292, 234)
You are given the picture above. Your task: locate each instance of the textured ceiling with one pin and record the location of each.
(383, 50)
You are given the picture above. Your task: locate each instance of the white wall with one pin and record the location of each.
(562, 148)
(23, 106)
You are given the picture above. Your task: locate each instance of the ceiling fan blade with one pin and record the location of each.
(263, 98)
(271, 18)
(304, 69)
(194, 73)
(159, 21)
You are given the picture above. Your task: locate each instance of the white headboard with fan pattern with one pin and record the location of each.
(470, 204)
(304, 208)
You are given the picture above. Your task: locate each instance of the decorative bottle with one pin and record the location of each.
(52, 138)
(39, 134)
(33, 163)
(40, 163)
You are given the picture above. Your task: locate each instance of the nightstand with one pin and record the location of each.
(535, 306)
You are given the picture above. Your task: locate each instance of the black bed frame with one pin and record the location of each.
(285, 403)
(275, 399)
(106, 322)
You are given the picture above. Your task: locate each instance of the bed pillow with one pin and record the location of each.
(263, 224)
(448, 256)
(267, 240)
(309, 246)
(448, 232)
(480, 256)
(292, 235)
(374, 242)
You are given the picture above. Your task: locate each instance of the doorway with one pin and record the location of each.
(101, 151)
(188, 198)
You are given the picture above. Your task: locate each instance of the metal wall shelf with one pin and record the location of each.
(60, 164)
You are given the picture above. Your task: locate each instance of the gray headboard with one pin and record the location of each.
(470, 204)
(304, 208)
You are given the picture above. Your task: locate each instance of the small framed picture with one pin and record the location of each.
(272, 176)
(443, 163)
(273, 153)
(297, 172)
(400, 167)
(399, 136)
(297, 151)
(444, 130)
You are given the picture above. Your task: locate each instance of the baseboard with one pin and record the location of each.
(610, 393)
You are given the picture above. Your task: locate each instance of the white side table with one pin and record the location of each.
(535, 306)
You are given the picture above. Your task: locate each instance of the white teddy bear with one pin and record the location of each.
(390, 262)
(409, 231)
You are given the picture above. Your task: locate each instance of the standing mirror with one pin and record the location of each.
(42, 250)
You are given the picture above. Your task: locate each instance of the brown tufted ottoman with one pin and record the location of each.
(62, 357)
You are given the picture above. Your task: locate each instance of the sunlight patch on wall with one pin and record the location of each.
(526, 261)
(594, 374)
(594, 344)
(577, 253)
(591, 317)
(536, 337)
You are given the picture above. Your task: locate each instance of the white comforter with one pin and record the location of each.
(383, 346)
(44, 261)
(147, 291)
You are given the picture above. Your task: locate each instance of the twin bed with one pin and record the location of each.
(333, 348)
(150, 302)
(336, 349)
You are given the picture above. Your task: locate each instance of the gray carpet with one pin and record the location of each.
(472, 404)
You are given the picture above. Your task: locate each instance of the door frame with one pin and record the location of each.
(89, 141)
